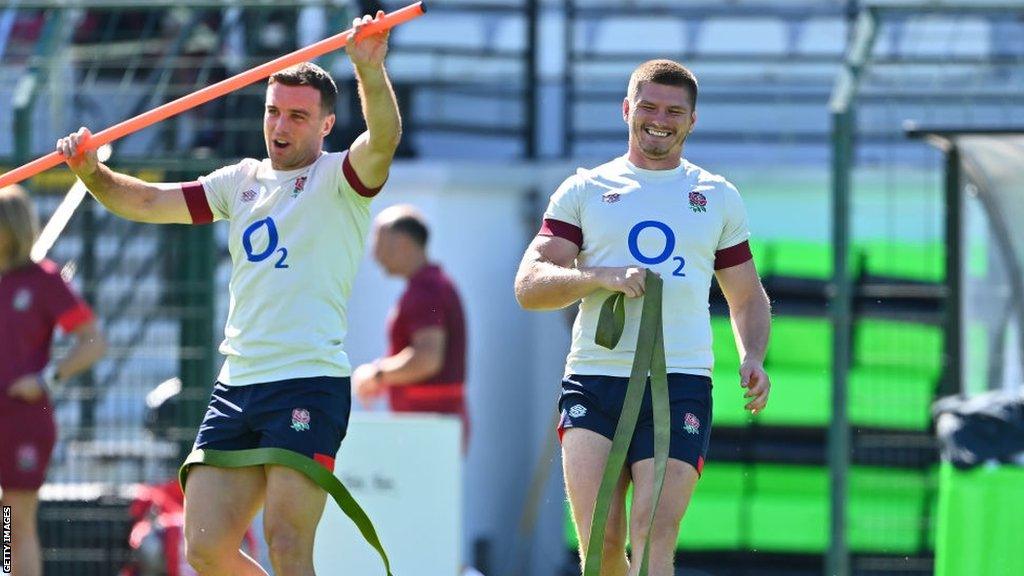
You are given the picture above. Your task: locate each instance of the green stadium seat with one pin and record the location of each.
(979, 521)
(896, 366)
(789, 509)
(886, 510)
(893, 344)
(782, 508)
(724, 345)
(883, 397)
(932, 483)
(922, 262)
(715, 517)
(727, 397)
(799, 397)
(800, 342)
(800, 259)
(759, 250)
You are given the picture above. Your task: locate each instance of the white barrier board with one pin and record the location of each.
(406, 472)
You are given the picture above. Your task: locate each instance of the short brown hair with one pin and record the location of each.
(18, 218)
(667, 72)
(407, 220)
(309, 74)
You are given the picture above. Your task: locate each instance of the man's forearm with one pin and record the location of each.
(80, 358)
(548, 286)
(407, 367)
(751, 323)
(123, 195)
(380, 108)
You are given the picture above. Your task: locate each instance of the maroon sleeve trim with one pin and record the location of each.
(733, 255)
(355, 182)
(72, 319)
(570, 232)
(198, 205)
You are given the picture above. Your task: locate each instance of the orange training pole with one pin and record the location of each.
(217, 90)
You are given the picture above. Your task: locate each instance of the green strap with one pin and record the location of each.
(649, 358)
(307, 466)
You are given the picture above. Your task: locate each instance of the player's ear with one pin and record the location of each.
(625, 110)
(328, 125)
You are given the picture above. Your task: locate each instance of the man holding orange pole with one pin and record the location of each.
(298, 222)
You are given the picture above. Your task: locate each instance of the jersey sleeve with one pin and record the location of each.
(734, 243)
(563, 217)
(210, 198)
(421, 308)
(62, 304)
(350, 181)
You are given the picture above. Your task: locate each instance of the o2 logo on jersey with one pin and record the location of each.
(265, 233)
(665, 254)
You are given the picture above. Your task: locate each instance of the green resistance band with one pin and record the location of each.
(650, 358)
(307, 466)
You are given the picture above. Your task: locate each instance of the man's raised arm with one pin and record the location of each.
(124, 195)
(373, 150)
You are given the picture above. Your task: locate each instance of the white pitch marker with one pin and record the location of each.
(62, 215)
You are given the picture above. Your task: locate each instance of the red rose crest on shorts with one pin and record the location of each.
(698, 203)
(300, 419)
(691, 423)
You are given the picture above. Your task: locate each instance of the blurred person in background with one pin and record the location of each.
(605, 229)
(298, 222)
(34, 302)
(425, 368)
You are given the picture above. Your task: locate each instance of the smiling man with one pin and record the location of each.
(298, 223)
(604, 230)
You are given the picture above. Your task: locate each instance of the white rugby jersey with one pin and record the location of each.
(296, 238)
(683, 223)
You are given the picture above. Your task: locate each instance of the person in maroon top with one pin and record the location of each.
(34, 302)
(425, 369)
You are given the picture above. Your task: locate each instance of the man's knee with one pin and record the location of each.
(203, 556)
(665, 531)
(615, 536)
(288, 545)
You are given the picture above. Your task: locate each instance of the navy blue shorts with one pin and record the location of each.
(595, 402)
(304, 415)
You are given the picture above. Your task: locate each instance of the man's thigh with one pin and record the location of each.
(680, 481)
(220, 503)
(584, 456)
(294, 506)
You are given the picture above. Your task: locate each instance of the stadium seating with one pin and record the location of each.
(906, 261)
(763, 36)
(887, 509)
(726, 396)
(642, 36)
(980, 519)
(822, 37)
(799, 259)
(715, 519)
(788, 508)
(896, 366)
